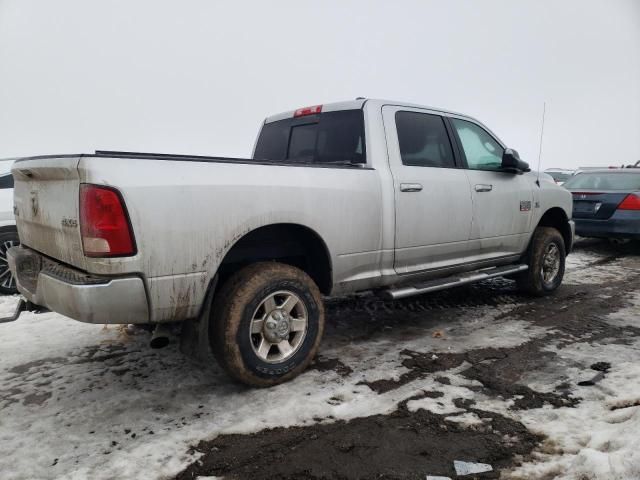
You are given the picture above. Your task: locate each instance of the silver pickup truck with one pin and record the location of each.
(361, 195)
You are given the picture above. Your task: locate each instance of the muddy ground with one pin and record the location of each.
(410, 444)
(400, 389)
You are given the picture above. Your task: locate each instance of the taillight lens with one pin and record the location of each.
(630, 202)
(104, 223)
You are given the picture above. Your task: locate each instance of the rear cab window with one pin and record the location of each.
(322, 138)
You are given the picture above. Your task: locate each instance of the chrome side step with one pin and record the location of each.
(453, 281)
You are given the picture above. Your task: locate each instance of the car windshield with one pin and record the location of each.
(622, 181)
(559, 176)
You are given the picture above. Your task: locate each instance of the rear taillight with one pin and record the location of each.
(301, 112)
(630, 202)
(104, 223)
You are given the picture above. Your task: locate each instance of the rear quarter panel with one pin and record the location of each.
(187, 215)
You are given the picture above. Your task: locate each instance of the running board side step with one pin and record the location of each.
(453, 281)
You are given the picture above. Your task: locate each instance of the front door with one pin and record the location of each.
(502, 201)
(432, 195)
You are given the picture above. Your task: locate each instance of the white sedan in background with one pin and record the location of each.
(8, 231)
(560, 175)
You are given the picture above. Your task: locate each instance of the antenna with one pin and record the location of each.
(544, 110)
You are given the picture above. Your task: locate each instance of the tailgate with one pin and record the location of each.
(46, 198)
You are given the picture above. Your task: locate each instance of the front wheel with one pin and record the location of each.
(8, 239)
(546, 260)
(266, 323)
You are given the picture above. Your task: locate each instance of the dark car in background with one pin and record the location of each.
(606, 203)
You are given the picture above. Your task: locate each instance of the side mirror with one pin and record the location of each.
(511, 162)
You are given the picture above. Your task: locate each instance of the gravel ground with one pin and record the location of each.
(537, 388)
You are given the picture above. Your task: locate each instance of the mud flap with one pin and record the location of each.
(194, 337)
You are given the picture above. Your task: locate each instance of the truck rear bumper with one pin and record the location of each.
(75, 294)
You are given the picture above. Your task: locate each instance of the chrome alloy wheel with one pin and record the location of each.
(550, 263)
(6, 278)
(278, 326)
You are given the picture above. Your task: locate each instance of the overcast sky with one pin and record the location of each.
(198, 77)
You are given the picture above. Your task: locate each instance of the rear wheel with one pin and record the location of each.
(546, 260)
(8, 238)
(266, 323)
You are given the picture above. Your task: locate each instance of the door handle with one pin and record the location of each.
(483, 188)
(410, 187)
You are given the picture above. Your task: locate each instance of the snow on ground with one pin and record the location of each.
(84, 401)
(600, 439)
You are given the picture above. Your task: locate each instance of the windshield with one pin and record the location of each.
(605, 181)
(332, 137)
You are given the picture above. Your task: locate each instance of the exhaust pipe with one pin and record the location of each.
(160, 336)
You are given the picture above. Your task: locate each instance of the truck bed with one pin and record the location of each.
(187, 212)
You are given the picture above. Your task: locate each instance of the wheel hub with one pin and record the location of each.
(551, 263)
(277, 326)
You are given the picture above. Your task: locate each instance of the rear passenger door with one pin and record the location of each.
(502, 201)
(432, 195)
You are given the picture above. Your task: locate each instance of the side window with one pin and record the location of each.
(480, 148)
(423, 140)
(6, 181)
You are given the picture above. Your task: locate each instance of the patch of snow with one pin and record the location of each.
(468, 419)
(595, 275)
(126, 411)
(580, 259)
(599, 438)
(629, 316)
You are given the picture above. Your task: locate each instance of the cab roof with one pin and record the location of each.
(357, 104)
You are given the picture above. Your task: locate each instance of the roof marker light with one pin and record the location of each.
(301, 112)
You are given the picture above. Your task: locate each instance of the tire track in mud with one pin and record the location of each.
(360, 318)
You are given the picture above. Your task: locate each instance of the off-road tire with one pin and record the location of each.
(232, 313)
(8, 235)
(532, 280)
